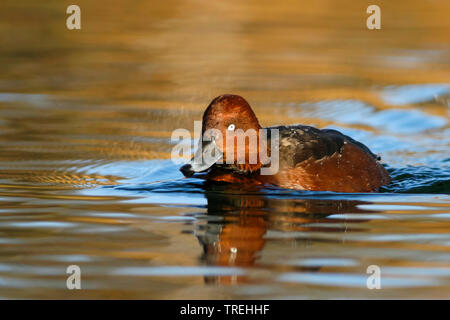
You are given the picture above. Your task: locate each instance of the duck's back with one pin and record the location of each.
(325, 159)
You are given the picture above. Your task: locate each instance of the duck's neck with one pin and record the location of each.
(260, 153)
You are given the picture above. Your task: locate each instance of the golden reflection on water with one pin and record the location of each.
(85, 122)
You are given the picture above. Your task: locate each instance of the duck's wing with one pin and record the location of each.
(338, 135)
(299, 143)
(314, 159)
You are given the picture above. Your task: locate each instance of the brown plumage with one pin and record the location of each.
(309, 158)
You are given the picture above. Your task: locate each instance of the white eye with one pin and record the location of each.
(231, 127)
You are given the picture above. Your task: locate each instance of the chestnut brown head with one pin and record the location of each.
(230, 135)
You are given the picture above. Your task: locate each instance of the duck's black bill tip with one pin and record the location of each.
(187, 171)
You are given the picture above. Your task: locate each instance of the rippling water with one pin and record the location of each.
(86, 178)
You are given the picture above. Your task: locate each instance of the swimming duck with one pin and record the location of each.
(308, 158)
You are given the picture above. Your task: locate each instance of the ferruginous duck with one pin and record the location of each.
(307, 158)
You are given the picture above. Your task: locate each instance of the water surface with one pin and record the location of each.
(86, 178)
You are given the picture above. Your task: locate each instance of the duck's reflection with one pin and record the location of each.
(235, 232)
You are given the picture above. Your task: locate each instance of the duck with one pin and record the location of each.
(307, 158)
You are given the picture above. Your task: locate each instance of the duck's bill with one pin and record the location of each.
(204, 158)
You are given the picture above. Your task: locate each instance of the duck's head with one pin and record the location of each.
(230, 137)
